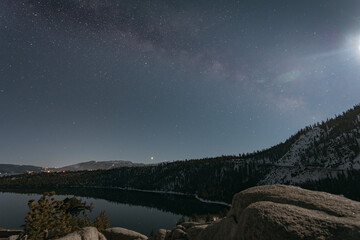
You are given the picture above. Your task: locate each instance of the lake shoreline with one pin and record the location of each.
(164, 192)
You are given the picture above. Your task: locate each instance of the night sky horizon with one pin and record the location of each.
(155, 81)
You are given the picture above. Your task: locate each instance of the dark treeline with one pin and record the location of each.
(331, 144)
(216, 180)
(344, 183)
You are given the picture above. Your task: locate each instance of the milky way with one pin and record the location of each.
(104, 80)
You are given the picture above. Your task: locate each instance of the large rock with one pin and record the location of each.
(226, 228)
(268, 220)
(160, 234)
(86, 233)
(193, 232)
(118, 233)
(287, 212)
(331, 204)
(13, 237)
(178, 234)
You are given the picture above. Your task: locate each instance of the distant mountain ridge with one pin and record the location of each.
(13, 168)
(84, 166)
(96, 165)
(324, 156)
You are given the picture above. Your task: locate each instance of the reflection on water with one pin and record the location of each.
(138, 211)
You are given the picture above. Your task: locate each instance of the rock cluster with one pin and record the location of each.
(183, 231)
(87, 233)
(264, 212)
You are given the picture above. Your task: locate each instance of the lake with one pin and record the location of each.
(138, 211)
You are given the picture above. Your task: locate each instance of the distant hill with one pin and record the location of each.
(12, 168)
(84, 166)
(95, 165)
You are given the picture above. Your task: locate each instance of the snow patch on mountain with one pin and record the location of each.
(310, 158)
(293, 155)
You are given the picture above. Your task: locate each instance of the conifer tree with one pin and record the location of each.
(50, 218)
(102, 221)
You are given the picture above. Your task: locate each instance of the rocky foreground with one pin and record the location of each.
(264, 212)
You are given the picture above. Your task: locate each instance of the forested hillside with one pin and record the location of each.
(320, 157)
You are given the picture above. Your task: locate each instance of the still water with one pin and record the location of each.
(138, 211)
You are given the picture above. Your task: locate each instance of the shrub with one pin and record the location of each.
(50, 218)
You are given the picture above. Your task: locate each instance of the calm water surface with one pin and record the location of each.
(138, 211)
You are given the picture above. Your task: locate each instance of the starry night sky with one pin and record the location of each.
(85, 80)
